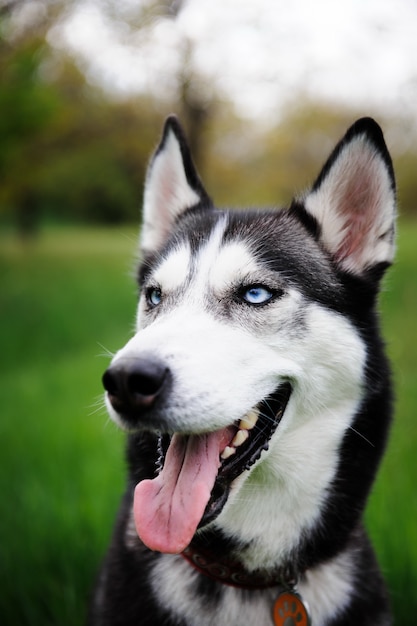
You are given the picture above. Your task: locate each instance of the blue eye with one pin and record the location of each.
(154, 296)
(256, 294)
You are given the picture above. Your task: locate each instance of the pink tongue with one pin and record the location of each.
(168, 509)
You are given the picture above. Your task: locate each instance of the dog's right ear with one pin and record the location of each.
(172, 186)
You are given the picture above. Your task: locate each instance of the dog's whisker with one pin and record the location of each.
(270, 417)
(362, 436)
(98, 406)
(106, 352)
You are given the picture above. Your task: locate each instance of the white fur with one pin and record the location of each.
(233, 263)
(173, 270)
(167, 194)
(327, 588)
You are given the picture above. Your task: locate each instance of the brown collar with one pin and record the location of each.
(230, 572)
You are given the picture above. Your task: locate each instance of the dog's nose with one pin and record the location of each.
(133, 384)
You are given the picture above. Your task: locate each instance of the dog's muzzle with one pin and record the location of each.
(195, 471)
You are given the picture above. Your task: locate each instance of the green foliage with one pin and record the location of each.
(70, 152)
(248, 165)
(63, 298)
(406, 170)
(26, 106)
(67, 149)
(97, 164)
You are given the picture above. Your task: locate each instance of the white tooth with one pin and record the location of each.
(249, 421)
(227, 452)
(240, 438)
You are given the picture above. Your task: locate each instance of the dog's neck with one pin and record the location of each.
(229, 571)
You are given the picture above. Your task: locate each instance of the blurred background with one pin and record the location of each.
(264, 89)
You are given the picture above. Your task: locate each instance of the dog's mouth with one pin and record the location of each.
(196, 473)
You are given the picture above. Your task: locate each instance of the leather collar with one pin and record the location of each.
(232, 573)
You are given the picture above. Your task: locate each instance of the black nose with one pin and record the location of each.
(134, 384)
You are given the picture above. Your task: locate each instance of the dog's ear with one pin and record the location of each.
(172, 186)
(353, 201)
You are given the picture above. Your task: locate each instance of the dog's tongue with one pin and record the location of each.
(168, 509)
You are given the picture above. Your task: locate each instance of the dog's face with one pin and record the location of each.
(248, 359)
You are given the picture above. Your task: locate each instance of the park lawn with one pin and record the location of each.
(66, 301)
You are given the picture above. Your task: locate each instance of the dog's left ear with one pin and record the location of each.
(353, 201)
(172, 186)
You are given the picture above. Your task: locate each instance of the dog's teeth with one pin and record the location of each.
(240, 438)
(227, 452)
(249, 421)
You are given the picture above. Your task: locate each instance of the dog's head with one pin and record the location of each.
(251, 349)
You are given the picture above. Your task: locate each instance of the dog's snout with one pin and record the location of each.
(134, 384)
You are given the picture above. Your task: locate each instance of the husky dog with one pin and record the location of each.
(256, 395)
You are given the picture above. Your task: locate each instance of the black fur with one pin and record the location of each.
(124, 595)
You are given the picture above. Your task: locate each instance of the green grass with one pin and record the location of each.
(61, 474)
(64, 301)
(392, 511)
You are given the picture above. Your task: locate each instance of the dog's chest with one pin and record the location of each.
(181, 591)
(178, 590)
(197, 601)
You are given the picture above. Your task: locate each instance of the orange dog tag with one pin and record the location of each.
(290, 610)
